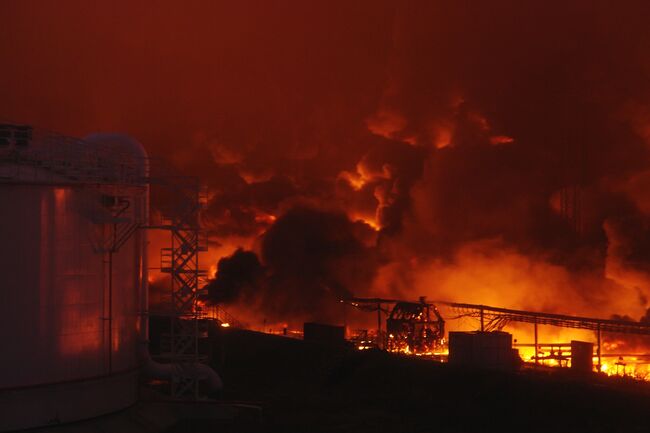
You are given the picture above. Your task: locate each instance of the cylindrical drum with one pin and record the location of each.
(72, 265)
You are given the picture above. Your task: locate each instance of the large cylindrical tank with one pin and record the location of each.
(72, 268)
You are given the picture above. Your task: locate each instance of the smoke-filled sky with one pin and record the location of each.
(391, 147)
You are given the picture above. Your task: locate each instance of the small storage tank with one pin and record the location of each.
(491, 350)
(73, 270)
(325, 334)
(582, 353)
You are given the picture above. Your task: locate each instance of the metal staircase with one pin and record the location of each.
(182, 345)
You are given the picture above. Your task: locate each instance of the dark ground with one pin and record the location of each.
(307, 387)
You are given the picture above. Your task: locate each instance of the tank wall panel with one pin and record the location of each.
(56, 289)
(68, 353)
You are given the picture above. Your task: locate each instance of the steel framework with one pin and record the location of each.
(370, 305)
(181, 261)
(414, 327)
(495, 318)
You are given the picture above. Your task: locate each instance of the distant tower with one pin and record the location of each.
(571, 207)
(573, 162)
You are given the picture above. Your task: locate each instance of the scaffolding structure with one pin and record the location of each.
(188, 327)
(415, 327)
(411, 327)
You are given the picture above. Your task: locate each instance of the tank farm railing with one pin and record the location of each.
(38, 156)
(495, 318)
(220, 315)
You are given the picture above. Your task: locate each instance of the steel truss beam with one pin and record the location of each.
(499, 317)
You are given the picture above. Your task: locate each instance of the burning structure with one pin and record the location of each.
(418, 328)
(411, 327)
(415, 327)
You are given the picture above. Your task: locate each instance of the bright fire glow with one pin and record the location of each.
(372, 222)
(501, 139)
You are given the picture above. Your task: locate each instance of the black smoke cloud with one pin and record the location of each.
(566, 84)
(239, 277)
(310, 259)
(244, 209)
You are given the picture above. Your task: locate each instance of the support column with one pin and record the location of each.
(598, 349)
(379, 340)
(482, 321)
(345, 320)
(536, 344)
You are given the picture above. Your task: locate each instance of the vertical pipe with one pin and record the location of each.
(143, 246)
(536, 345)
(112, 249)
(345, 320)
(379, 341)
(110, 311)
(195, 295)
(598, 350)
(172, 319)
(196, 346)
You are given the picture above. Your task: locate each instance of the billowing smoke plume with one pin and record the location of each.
(486, 152)
(311, 260)
(239, 277)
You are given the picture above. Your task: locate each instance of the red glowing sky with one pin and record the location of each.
(451, 125)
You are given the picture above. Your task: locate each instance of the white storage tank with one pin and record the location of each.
(73, 273)
(488, 350)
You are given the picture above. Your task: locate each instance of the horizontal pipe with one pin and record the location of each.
(157, 370)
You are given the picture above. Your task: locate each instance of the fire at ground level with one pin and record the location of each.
(540, 340)
(315, 386)
(321, 386)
